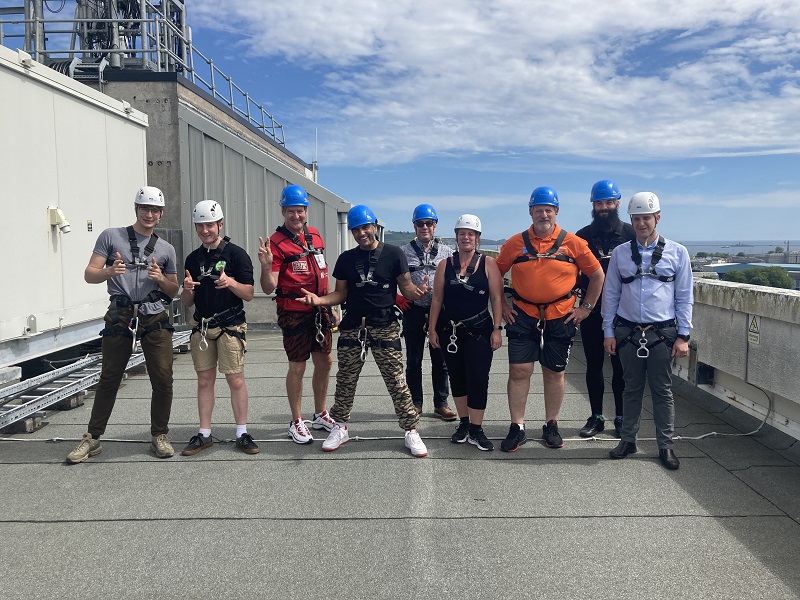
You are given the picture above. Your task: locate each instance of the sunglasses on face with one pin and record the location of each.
(425, 223)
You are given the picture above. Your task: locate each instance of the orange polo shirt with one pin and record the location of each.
(543, 280)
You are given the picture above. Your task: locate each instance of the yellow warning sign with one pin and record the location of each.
(753, 330)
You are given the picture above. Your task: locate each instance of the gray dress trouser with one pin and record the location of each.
(657, 370)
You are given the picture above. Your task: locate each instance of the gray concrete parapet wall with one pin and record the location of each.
(750, 335)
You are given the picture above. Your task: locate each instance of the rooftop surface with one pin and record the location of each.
(371, 521)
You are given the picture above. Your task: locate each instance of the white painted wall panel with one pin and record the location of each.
(65, 145)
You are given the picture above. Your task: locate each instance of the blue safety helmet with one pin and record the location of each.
(544, 195)
(360, 215)
(424, 211)
(605, 189)
(294, 195)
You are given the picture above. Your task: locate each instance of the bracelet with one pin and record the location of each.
(497, 327)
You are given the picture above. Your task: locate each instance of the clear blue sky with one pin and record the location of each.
(470, 105)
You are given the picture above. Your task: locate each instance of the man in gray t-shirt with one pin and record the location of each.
(140, 271)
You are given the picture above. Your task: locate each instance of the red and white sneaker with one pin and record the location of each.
(415, 444)
(298, 431)
(323, 421)
(336, 438)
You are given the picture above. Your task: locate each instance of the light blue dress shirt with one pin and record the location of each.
(646, 299)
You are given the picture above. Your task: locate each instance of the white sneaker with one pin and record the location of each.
(415, 444)
(298, 431)
(336, 438)
(323, 421)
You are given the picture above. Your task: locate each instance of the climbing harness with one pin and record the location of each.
(643, 351)
(463, 280)
(221, 320)
(425, 258)
(366, 276)
(138, 262)
(207, 268)
(530, 253)
(307, 250)
(636, 257)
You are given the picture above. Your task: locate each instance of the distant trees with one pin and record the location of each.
(768, 276)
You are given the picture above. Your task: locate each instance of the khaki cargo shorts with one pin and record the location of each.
(225, 349)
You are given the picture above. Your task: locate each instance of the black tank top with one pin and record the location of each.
(460, 302)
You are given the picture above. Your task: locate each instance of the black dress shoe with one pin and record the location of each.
(623, 449)
(668, 458)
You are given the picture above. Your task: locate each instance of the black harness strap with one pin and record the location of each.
(425, 259)
(213, 256)
(464, 280)
(307, 250)
(643, 327)
(552, 253)
(221, 320)
(636, 257)
(366, 276)
(371, 343)
(148, 249)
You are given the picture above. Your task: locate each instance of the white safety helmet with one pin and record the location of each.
(644, 203)
(152, 196)
(207, 211)
(468, 222)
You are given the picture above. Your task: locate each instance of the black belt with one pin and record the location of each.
(656, 324)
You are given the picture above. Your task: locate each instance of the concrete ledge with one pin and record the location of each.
(777, 304)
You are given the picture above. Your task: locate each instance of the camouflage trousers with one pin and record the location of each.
(384, 344)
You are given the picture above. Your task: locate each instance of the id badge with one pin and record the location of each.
(320, 260)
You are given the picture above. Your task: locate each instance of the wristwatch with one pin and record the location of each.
(500, 327)
(684, 336)
(587, 305)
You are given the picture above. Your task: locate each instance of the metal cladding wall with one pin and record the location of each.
(63, 145)
(219, 165)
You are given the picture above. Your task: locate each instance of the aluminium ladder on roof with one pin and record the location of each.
(67, 381)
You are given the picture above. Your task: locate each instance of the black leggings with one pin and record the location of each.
(468, 368)
(592, 338)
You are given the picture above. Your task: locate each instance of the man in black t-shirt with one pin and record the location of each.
(367, 280)
(219, 279)
(604, 233)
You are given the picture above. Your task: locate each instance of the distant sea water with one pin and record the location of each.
(734, 247)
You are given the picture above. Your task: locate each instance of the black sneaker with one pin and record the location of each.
(196, 444)
(461, 434)
(478, 438)
(550, 435)
(246, 444)
(618, 426)
(514, 439)
(594, 425)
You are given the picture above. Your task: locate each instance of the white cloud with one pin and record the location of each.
(623, 80)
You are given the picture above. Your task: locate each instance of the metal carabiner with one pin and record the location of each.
(320, 337)
(540, 328)
(452, 347)
(133, 326)
(363, 340)
(643, 351)
(203, 345)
